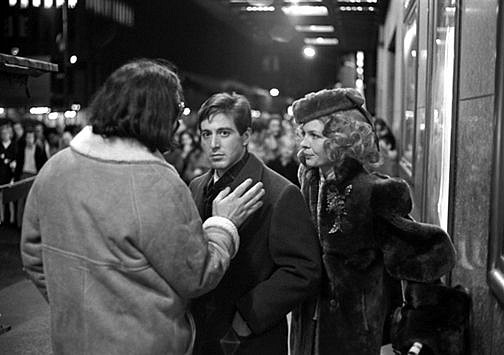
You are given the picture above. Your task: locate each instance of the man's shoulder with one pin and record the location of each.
(198, 181)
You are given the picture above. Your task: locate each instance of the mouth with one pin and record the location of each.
(216, 156)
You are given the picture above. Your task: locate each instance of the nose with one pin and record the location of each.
(215, 142)
(304, 142)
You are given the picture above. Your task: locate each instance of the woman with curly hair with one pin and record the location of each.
(363, 226)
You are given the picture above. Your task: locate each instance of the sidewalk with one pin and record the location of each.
(25, 310)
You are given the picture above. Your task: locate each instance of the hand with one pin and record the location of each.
(238, 205)
(240, 326)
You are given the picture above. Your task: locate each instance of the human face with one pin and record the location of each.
(222, 142)
(312, 145)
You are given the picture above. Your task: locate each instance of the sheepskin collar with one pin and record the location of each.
(112, 149)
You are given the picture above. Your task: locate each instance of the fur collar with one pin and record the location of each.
(112, 149)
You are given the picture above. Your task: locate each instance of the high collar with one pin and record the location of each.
(340, 174)
(112, 149)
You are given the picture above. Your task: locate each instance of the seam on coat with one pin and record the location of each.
(92, 261)
(135, 206)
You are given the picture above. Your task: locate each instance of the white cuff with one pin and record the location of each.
(227, 226)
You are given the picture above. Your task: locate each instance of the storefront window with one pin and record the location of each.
(438, 162)
(410, 76)
(496, 242)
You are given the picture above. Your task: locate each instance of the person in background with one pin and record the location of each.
(8, 153)
(111, 235)
(7, 165)
(40, 138)
(285, 164)
(278, 265)
(30, 157)
(18, 131)
(388, 150)
(364, 228)
(65, 140)
(195, 161)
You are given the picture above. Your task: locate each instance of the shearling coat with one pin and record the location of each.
(113, 240)
(365, 231)
(277, 267)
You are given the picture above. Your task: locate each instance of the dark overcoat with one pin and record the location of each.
(365, 231)
(277, 267)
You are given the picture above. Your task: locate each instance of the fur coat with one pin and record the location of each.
(365, 231)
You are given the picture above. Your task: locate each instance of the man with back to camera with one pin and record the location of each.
(278, 264)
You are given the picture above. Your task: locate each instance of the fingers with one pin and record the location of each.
(242, 188)
(252, 192)
(254, 207)
(253, 199)
(223, 194)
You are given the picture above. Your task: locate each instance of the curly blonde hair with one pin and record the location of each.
(349, 135)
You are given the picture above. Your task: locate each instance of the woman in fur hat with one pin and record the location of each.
(364, 228)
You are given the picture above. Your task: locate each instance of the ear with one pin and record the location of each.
(246, 137)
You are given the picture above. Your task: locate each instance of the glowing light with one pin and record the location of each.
(305, 10)
(39, 110)
(321, 41)
(48, 4)
(72, 3)
(309, 52)
(255, 113)
(59, 3)
(36, 3)
(70, 114)
(75, 107)
(359, 84)
(187, 111)
(413, 53)
(73, 59)
(12, 2)
(315, 28)
(24, 4)
(53, 116)
(274, 92)
(15, 51)
(2, 110)
(260, 8)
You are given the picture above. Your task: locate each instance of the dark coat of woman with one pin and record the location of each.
(365, 231)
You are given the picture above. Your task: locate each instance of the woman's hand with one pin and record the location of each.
(239, 204)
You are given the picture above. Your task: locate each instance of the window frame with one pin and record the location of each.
(495, 274)
(407, 167)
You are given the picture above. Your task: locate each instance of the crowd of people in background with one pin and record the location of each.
(24, 149)
(27, 146)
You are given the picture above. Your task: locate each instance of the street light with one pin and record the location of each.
(309, 52)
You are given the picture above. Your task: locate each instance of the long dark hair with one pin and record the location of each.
(143, 99)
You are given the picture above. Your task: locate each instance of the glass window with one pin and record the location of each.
(410, 78)
(496, 242)
(440, 128)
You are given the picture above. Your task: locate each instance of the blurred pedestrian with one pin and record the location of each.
(278, 264)
(388, 150)
(30, 157)
(364, 229)
(285, 164)
(111, 235)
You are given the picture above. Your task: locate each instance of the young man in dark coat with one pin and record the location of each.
(278, 264)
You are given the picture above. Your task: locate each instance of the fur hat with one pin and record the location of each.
(325, 102)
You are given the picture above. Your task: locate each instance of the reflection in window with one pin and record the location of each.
(410, 65)
(441, 115)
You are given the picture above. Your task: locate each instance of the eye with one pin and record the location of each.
(205, 134)
(224, 133)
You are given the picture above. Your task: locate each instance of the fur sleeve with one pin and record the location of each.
(412, 251)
